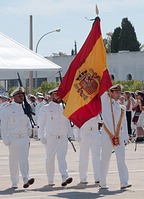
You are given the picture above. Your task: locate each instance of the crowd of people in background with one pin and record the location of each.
(134, 103)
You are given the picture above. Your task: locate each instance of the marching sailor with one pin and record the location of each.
(15, 127)
(53, 131)
(114, 135)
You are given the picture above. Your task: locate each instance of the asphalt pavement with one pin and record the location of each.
(40, 189)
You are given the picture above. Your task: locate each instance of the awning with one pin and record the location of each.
(14, 56)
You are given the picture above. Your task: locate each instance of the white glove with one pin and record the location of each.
(43, 140)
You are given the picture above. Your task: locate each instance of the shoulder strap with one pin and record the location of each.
(119, 123)
(118, 126)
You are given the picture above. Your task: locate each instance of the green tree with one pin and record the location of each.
(45, 87)
(107, 42)
(128, 39)
(131, 85)
(115, 40)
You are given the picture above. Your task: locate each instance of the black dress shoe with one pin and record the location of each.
(51, 184)
(30, 182)
(14, 187)
(83, 182)
(125, 187)
(68, 181)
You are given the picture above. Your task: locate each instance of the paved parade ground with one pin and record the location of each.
(40, 190)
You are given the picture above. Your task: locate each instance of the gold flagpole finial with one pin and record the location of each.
(97, 10)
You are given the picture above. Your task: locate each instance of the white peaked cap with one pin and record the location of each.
(116, 87)
(53, 90)
(19, 89)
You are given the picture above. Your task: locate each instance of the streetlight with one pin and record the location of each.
(57, 30)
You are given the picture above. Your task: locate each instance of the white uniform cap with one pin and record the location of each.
(32, 96)
(40, 96)
(53, 91)
(5, 97)
(17, 90)
(116, 87)
(38, 93)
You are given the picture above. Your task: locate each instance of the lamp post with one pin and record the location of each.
(57, 30)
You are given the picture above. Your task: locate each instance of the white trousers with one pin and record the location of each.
(87, 143)
(120, 157)
(18, 158)
(56, 147)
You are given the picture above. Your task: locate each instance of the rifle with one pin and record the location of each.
(26, 106)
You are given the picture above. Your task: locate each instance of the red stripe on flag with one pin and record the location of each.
(92, 109)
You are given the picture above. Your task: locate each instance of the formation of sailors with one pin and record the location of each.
(123, 109)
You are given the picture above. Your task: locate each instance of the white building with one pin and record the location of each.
(122, 66)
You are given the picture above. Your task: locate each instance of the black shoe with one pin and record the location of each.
(125, 187)
(103, 187)
(30, 182)
(51, 185)
(14, 187)
(68, 181)
(83, 182)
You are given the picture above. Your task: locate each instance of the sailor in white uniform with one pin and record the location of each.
(114, 135)
(15, 127)
(53, 131)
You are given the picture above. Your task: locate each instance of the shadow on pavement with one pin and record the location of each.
(86, 195)
(54, 188)
(10, 191)
(99, 193)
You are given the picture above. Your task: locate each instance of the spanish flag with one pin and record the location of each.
(86, 79)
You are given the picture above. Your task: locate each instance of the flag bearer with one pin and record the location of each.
(114, 135)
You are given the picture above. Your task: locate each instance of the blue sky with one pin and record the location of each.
(69, 16)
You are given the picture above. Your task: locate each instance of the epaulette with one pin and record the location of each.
(7, 104)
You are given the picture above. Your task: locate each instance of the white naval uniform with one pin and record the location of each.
(90, 139)
(54, 129)
(15, 127)
(107, 146)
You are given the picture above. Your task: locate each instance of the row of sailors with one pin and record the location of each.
(36, 102)
(53, 133)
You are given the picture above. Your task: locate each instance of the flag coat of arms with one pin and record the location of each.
(86, 79)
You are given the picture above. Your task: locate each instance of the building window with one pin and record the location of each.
(129, 77)
(57, 79)
(112, 77)
(12, 83)
(39, 82)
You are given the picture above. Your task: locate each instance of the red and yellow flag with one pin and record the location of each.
(86, 79)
